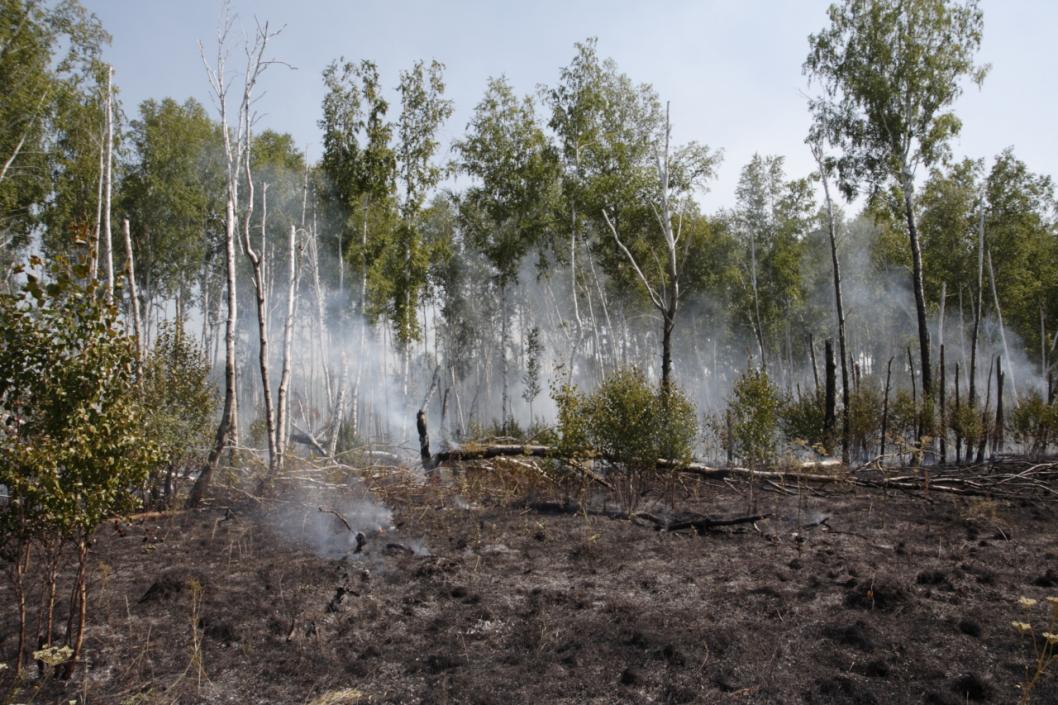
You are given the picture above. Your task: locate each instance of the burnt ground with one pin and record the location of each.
(482, 592)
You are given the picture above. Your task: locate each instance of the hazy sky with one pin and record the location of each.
(731, 69)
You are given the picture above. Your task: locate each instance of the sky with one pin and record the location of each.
(730, 69)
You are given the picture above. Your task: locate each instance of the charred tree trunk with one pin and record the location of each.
(424, 440)
(885, 407)
(982, 441)
(920, 296)
(943, 411)
(838, 307)
(1002, 328)
(997, 436)
(829, 413)
(958, 429)
(971, 398)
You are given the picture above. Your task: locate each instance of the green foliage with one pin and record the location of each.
(890, 70)
(172, 193)
(801, 419)
(179, 402)
(865, 415)
(629, 423)
(510, 209)
(531, 378)
(771, 218)
(1034, 423)
(754, 409)
(903, 419)
(49, 113)
(74, 445)
(968, 423)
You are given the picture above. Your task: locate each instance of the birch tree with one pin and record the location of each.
(678, 174)
(890, 71)
(236, 151)
(508, 211)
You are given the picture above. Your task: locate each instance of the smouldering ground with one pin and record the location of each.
(473, 598)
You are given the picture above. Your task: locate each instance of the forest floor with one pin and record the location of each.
(479, 589)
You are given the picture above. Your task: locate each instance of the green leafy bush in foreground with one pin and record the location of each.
(73, 446)
(631, 425)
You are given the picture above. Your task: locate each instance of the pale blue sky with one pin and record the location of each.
(732, 70)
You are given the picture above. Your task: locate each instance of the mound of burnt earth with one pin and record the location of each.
(452, 596)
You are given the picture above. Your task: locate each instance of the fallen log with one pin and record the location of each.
(697, 522)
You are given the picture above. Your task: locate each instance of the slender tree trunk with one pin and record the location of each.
(283, 401)
(134, 297)
(93, 255)
(838, 308)
(338, 414)
(829, 415)
(958, 409)
(997, 436)
(971, 398)
(82, 605)
(943, 425)
(756, 301)
(257, 263)
(20, 569)
(885, 407)
(667, 325)
(920, 296)
(229, 418)
(504, 342)
(108, 171)
(982, 441)
(321, 323)
(1002, 330)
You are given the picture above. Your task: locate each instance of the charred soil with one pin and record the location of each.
(480, 591)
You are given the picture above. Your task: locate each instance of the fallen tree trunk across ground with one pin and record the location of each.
(540, 451)
(1004, 478)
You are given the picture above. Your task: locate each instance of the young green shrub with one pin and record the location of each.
(755, 413)
(903, 421)
(180, 403)
(1034, 423)
(629, 424)
(801, 419)
(865, 417)
(73, 448)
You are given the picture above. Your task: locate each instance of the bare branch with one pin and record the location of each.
(654, 298)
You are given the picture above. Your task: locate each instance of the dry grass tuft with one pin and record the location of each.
(344, 696)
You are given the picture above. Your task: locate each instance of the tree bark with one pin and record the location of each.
(838, 308)
(283, 401)
(943, 426)
(257, 263)
(1002, 330)
(920, 296)
(829, 414)
(134, 297)
(108, 240)
(971, 398)
(885, 407)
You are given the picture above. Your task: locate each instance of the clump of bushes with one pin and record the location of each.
(802, 418)
(1034, 423)
(630, 425)
(865, 417)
